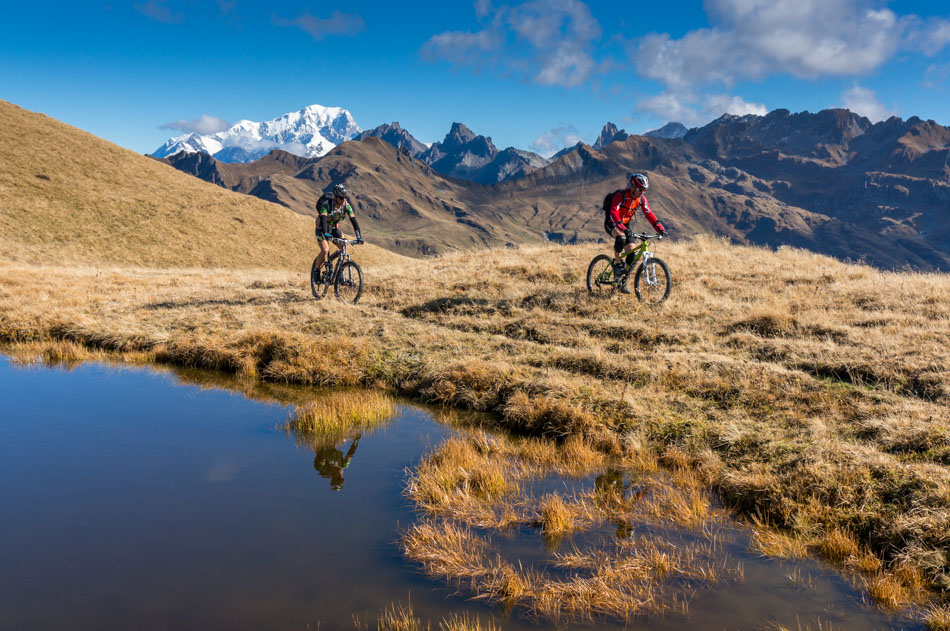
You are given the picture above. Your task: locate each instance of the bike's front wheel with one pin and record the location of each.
(653, 282)
(600, 276)
(322, 277)
(349, 282)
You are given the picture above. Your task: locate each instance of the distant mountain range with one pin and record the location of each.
(315, 130)
(832, 182)
(310, 133)
(462, 154)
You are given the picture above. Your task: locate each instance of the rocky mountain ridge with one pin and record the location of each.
(462, 154)
(831, 182)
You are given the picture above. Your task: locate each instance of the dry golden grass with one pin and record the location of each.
(937, 617)
(888, 591)
(809, 393)
(467, 622)
(398, 617)
(770, 542)
(621, 578)
(329, 417)
(556, 516)
(837, 546)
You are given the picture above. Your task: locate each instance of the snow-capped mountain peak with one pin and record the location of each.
(310, 133)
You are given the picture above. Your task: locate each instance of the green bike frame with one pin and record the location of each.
(630, 260)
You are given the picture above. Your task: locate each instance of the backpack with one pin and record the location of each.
(609, 199)
(326, 198)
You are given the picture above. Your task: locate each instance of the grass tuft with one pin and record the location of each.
(937, 617)
(334, 414)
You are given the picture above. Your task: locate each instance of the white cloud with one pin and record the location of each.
(159, 11)
(337, 24)
(668, 106)
(756, 38)
(205, 124)
(463, 48)
(719, 104)
(549, 143)
(483, 8)
(932, 37)
(864, 101)
(549, 42)
(693, 111)
(936, 76)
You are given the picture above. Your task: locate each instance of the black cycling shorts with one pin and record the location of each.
(334, 231)
(619, 242)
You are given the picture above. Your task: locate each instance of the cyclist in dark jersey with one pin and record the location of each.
(329, 213)
(623, 207)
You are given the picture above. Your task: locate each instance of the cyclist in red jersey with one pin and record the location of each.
(623, 207)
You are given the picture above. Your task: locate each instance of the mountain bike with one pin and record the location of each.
(341, 272)
(652, 281)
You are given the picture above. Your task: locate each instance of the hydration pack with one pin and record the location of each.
(608, 200)
(325, 199)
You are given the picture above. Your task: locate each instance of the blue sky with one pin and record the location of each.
(537, 75)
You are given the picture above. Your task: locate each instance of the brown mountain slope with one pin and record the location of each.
(692, 195)
(401, 202)
(67, 196)
(892, 178)
(807, 180)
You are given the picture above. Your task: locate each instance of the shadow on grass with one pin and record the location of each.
(285, 298)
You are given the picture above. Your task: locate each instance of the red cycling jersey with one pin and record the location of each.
(624, 205)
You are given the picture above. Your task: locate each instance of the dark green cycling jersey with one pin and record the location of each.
(328, 216)
(335, 215)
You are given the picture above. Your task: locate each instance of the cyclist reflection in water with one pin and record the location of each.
(610, 486)
(330, 462)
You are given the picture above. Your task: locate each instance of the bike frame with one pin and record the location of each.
(640, 253)
(343, 258)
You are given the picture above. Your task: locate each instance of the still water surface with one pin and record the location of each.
(131, 498)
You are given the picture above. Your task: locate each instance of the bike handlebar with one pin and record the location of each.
(347, 241)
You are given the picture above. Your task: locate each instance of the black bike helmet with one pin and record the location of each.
(640, 180)
(339, 191)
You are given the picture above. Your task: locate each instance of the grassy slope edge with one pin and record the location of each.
(68, 197)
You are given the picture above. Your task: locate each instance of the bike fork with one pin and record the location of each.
(649, 271)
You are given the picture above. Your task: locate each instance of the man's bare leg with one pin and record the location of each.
(324, 250)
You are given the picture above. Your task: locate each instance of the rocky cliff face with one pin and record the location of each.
(464, 154)
(398, 137)
(609, 134)
(891, 177)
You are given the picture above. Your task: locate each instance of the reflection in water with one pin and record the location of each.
(104, 526)
(330, 462)
(610, 487)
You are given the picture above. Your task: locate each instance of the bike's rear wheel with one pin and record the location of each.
(321, 278)
(600, 276)
(653, 281)
(349, 282)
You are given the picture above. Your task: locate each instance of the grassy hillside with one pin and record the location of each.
(68, 197)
